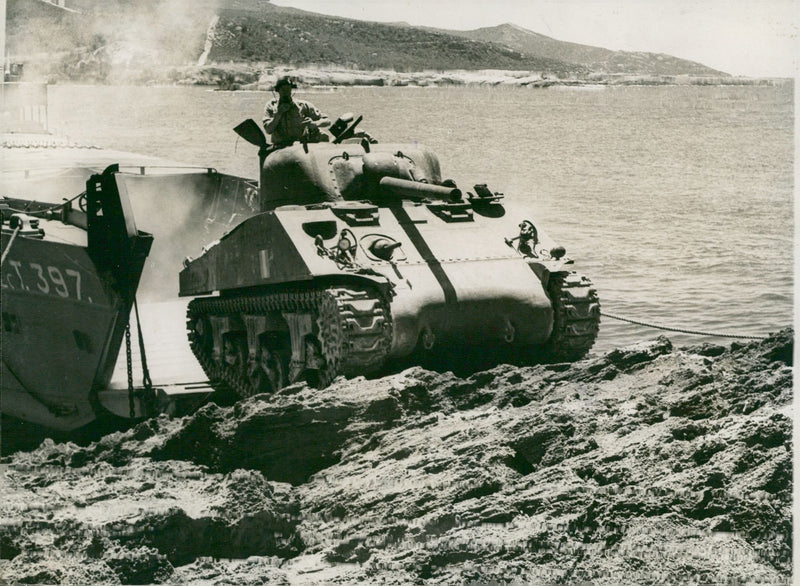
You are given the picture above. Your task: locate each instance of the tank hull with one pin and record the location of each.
(448, 285)
(457, 280)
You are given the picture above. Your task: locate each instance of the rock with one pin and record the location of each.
(647, 464)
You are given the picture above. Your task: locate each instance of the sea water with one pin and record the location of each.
(677, 201)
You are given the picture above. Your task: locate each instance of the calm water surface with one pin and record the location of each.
(675, 201)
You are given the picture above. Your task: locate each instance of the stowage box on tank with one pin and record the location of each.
(363, 254)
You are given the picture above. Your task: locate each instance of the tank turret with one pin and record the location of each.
(363, 254)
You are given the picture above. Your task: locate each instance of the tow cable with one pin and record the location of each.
(680, 330)
(19, 226)
(146, 381)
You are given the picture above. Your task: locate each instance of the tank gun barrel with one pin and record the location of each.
(417, 189)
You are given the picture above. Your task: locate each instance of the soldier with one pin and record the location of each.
(287, 120)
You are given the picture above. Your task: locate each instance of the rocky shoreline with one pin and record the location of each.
(647, 465)
(486, 78)
(261, 76)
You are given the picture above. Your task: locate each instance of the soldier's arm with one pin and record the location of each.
(272, 116)
(320, 119)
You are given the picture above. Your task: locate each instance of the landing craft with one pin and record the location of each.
(69, 278)
(65, 299)
(363, 254)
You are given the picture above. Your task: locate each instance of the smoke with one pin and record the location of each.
(183, 212)
(172, 32)
(107, 40)
(173, 210)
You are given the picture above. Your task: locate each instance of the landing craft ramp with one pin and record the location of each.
(177, 378)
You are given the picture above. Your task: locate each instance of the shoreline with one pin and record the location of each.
(234, 76)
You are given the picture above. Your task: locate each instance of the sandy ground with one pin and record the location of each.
(645, 465)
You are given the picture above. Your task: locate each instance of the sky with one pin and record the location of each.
(741, 37)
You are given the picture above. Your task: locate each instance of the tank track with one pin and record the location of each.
(576, 317)
(351, 326)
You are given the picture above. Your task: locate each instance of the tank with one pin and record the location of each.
(362, 256)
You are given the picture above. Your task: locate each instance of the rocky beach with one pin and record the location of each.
(648, 464)
(261, 77)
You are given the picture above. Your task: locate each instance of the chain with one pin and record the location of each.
(148, 384)
(131, 406)
(680, 330)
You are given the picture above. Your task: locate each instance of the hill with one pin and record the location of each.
(125, 40)
(595, 59)
(298, 38)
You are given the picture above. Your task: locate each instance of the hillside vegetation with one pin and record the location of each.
(301, 39)
(144, 41)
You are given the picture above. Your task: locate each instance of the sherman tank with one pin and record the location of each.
(362, 255)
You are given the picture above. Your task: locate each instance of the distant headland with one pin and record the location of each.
(244, 44)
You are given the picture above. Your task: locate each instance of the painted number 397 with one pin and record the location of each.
(48, 280)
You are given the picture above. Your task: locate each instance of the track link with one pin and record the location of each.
(576, 317)
(350, 326)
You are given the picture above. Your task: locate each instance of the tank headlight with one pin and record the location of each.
(345, 244)
(557, 252)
